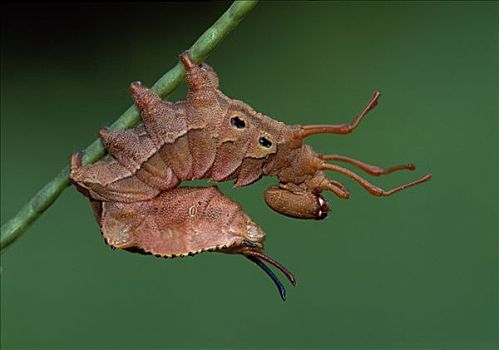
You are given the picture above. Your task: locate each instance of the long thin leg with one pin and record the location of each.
(368, 168)
(338, 184)
(337, 188)
(374, 190)
(308, 130)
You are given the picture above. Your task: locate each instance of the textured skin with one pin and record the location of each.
(134, 191)
(184, 221)
(190, 139)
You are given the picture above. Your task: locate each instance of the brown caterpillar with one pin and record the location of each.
(134, 190)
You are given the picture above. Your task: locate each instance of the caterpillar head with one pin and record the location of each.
(301, 171)
(273, 148)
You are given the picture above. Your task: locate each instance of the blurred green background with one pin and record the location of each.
(416, 270)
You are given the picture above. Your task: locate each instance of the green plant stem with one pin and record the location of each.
(17, 225)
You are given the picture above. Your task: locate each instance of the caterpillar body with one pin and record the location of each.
(135, 191)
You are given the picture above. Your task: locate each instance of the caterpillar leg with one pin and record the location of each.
(368, 168)
(346, 128)
(372, 189)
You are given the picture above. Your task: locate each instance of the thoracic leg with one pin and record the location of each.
(368, 168)
(374, 190)
(337, 188)
(308, 130)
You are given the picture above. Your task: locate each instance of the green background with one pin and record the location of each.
(416, 270)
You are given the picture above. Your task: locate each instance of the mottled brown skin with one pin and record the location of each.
(195, 220)
(134, 190)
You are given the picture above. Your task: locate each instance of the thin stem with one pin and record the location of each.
(16, 226)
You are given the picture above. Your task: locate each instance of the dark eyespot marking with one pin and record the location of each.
(265, 142)
(237, 122)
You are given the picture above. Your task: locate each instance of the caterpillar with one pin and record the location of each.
(135, 190)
